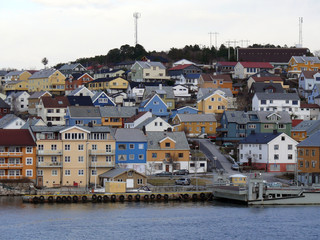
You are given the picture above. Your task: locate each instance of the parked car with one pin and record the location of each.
(235, 166)
(183, 181)
(181, 172)
(164, 174)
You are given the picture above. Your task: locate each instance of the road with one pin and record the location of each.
(211, 150)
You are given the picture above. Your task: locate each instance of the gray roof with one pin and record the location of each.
(242, 117)
(14, 73)
(151, 90)
(3, 104)
(145, 122)
(302, 59)
(197, 117)
(179, 137)
(84, 111)
(147, 65)
(261, 86)
(75, 91)
(116, 172)
(115, 111)
(277, 96)
(130, 135)
(38, 94)
(70, 66)
(30, 122)
(310, 126)
(45, 73)
(311, 141)
(7, 119)
(206, 92)
(59, 128)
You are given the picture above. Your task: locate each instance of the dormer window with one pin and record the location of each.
(167, 144)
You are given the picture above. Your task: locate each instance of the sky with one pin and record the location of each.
(65, 30)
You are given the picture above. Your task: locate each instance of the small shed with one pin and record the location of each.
(132, 178)
(238, 179)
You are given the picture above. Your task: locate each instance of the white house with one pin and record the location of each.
(315, 94)
(137, 119)
(272, 152)
(309, 111)
(182, 62)
(181, 92)
(244, 70)
(11, 121)
(289, 102)
(18, 101)
(81, 91)
(307, 80)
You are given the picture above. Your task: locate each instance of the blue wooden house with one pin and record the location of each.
(155, 105)
(131, 148)
(183, 110)
(83, 115)
(102, 99)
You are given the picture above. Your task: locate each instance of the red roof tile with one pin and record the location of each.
(135, 117)
(256, 64)
(179, 67)
(227, 63)
(309, 74)
(295, 122)
(307, 105)
(16, 137)
(263, 79)
(55, 102)
(209, 77)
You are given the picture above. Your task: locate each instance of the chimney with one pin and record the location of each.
(275, 131)
(137, 111)
(160, 86)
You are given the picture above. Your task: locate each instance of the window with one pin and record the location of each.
(180, 155)
(53, 159)
(294, 102)
(313, 164)
(40, 173)
(67, 147)
(122, 146)
(80, 158)
(29, 173)
(167, 144)
(276, 147)
(301, 164)
(289, 146)
(141, 146)
(219, 99)
(67, 172)
(29, 149)
(40, 159)
(80, 172)
(276, 156)
(260, 156)
(80, 147)
(93, 172)
(281, 126)
(67, 159)
(313, 152)
(29, 161)
(202, 164)
(139, 181)
(154, 155)
(94, 147)
(108, 158)
(40, 147)
(167, 155)
(283, 138)
(290, 156)
(108, 148)
(53, 147)
(212, 99)
(307, 152)
(131, 146)
(141, 156)
(263, 102)
(122, 157)
(307, 164)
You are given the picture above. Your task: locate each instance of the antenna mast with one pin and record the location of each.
(136, 15)
(300, 31)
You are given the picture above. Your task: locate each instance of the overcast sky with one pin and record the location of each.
(64, 30)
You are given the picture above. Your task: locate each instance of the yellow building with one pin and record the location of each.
(47, 80)
(73, 156)
(114, 83)
(115, 116)
(16, 86)
(238, 179)
(195, 124)
(214, 101)
(297, 64)
(17, 76)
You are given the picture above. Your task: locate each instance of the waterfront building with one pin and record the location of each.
(17, 154)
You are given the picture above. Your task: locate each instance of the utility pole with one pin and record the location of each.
(244, 41)
(215, 36)
(229, 42)
(136, 15)
(300, 31)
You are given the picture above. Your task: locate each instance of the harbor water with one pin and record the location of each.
(155, 220)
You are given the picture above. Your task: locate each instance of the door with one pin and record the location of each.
(167, 168)
(40, 181)
(130, 183)
(203, 130)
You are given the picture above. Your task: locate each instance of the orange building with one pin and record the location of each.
(17, 154)
(216, 81)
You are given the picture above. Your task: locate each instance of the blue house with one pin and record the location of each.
(102, 99)
(155, 105)
(131, 148)
(83, 115)
(183, 110)
(80, 100)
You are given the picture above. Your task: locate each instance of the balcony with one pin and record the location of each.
(101, 164)
(11, 165)
(11, 177)
(101, 152)
(49, 152)
(49, 164)
(11, 154)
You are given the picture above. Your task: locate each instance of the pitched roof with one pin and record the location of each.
(3, 104)
(36, 95)
(84, 111)
(179, 137)
(309, 105)
(295, 122)
(79, 89)
(104, 79)
(263, 79)
(146, 122)
(130, 135)
(310, 126)
(227, 63)
(256, 64)
(80, 100)
(309, 74)
(259, 138)
(311, 141)
(14, 73)
(261, 86)
(192, 76)
(242, 117)
(264, 116)
(7, 119)
(45, 73)
(16, 137)
(147, 65)
(207, 92)
(55, 102)
(116, 172)
(180, 67)
(277, 96)
(196, 117)
(115, 111)
(150, 90)
(135, 117)
(69, 66)
(303, 59)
